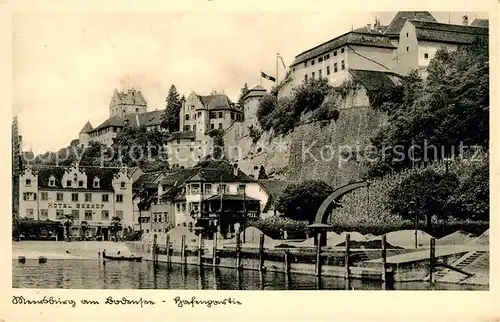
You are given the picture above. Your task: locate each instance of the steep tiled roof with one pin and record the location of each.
(374, 30)
(148, 119)
(480, 23)
(219, 171)
(217, 102)
(177, 178)
(397, 23)
(86, 128)
(448, 33)
(350, 38)
(231, 197)
(182, 135)
(146, 178)
(105, 176)
(373, 79)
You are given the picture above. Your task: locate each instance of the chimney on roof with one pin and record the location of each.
(256, 172)
(235, 169)
(465, 20)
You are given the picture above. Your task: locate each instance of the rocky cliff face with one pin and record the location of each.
(314, 150)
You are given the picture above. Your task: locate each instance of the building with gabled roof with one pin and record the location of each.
(89, 197)
(420, 40)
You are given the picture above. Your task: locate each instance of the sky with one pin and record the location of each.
(66, 65)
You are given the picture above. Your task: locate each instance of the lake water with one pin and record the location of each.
(76, 266)
(93, 274)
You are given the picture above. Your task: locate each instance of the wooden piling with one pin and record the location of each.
(384, 262)
(432, 259)
(261, 252)
(214, 255)
(167, 248)
(238, 250)
(199, 248)
(318, 256)
(347, 255)
(155, 249)
(287, 261)
(183, 249)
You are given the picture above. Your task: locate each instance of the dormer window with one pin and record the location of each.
(28, 182)
(122, 185)
(52, 181)
(80, 183)
(96, 182)
(68, 183)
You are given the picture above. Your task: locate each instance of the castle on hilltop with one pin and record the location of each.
(125, 108)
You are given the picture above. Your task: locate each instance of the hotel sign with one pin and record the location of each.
(60, 205)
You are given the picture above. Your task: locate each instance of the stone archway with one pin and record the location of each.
(329, 203)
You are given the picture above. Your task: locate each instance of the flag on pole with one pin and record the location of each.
(266, 76)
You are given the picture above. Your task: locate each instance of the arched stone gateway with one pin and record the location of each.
(330, 202)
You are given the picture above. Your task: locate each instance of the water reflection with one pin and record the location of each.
(95, 274)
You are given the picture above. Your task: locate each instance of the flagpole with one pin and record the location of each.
(277, 76)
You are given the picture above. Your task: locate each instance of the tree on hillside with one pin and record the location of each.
(301, 201)
(244, 92)
(218, 141)
(171, 119)
(448, 110)
(267, 105)
(424, 194)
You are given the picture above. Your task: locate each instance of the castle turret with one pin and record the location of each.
(84, 135)
(124, 103)
(251, 103)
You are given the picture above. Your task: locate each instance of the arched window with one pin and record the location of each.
(96, 182)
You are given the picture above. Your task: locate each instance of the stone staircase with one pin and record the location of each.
(461, 263)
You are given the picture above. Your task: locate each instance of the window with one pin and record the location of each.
(406, 35)
(220, 115)
(194, 127)
(74, 197)
(195, 188)
(335, 67)
(212, 126)
(183, 207)
(122, 185)
(75, 214)
(187, 117)
(305, 78)
(28, 182)
(59, 214)
(232, 115)
(342, 50)
(96, 182)
(60, 196)
(105, 198)
(312, 75)
(305, 64)
(328, 70)
(52, 182)
(44, 214)
(88, 214)
(80, 183)
(241, 189)
(136, 109)
(30, 213)
(68, 183)
(335, 53)
(119, 198)
(119, 214)
(222, 188)
(213, 115)
(342, 64)
(220, 126)
(407, 48)
(320, 59)
(187, 127)
(327, 56)
(191, 149)
(178, 207)
(312, 62)
(194, 116)
(105, 215)
(208, 188)
(45, 196)
(426, 55)
(199, 114)
(319, 73)
(88, 197)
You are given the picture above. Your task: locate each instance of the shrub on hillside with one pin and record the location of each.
(254, 133)
(275, 225)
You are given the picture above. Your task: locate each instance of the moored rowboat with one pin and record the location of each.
(130, 258)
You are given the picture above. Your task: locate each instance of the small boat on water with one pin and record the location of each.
(130, 258)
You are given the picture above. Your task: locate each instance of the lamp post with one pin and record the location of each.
(413, 209)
